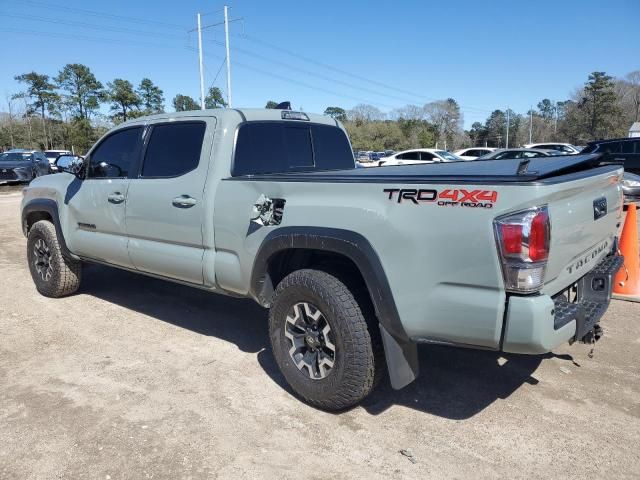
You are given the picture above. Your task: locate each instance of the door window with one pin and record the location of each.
(116, 154)
(627, 147)
(173, 149)
(427, 156)
(409, 156)
(611, 147)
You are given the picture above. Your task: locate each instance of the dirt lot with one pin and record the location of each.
(138, 378)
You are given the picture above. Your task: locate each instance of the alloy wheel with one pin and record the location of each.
(42, 259)
(311, 341)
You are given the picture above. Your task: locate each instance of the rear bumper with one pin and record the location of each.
(538, 324)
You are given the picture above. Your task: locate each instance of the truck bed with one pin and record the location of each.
(535, 170)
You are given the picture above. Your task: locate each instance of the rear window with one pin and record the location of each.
(278, 147)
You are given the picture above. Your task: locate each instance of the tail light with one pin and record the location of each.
(523, 240)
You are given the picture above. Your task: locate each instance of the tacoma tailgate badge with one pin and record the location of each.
(599, 208)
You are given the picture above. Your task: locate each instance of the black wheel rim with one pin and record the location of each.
(310, 340)
(42, 259)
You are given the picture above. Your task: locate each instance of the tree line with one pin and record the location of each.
(604, 107)
(62, 111)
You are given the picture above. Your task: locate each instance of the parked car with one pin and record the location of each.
(473, 153)
(52, 155)
(511, 153)
(419, 155)
(626, 150)
(561, 147)
(19, 165)
(276, 212)
(631, 187)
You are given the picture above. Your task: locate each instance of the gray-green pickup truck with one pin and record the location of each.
(357, 266)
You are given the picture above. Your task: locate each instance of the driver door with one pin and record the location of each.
(96, 205)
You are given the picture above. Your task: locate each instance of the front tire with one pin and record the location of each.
(320, 340)
(54, 275)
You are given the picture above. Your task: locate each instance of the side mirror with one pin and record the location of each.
(70, 163)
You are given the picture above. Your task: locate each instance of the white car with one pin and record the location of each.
(562, 147)
(473, 153)
(52, 155)
(419, 155)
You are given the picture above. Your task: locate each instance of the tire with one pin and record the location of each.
(343, 371)
(54, 275)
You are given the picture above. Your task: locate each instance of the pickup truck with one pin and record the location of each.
(357, 266)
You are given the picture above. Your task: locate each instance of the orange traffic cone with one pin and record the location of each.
(626, 285)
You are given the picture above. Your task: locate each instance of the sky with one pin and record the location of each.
(484, 54)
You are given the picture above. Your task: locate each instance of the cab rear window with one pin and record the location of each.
(279, 147)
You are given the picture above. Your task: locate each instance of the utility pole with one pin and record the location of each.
(530, 123)
(200, 60)
(507, 140)
(555, 124)
(226, 41)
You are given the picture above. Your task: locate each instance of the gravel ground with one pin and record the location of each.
(137, 378)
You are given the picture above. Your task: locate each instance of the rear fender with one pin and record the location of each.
(400, 351)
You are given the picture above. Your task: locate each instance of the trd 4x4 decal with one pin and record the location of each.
(445, 198)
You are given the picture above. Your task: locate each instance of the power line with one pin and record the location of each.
(299, 83)
(66, 36)
(74, 23)
(344, 72)
(324, 77)
(98, 14)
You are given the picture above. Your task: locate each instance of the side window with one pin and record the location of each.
(116, 154)
(611, 147)
(627, 147)
(409, 156)
(531, 154)
(173, 149)
(427, 156)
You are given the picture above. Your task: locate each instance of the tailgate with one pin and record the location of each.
(585, 217)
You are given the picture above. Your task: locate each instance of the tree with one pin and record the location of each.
(546, 109)
(183, 103)
(124, 99)
(214, 98)
(365, 113)
(633, 80)
(495, 128)
(42, 94)
(445, 115)
(271, 104)
(599, 105)
(477, 134)
(151, 97)
(83, 91)
(337, 113)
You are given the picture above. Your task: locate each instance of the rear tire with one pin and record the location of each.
(54, 275)
(333, 371)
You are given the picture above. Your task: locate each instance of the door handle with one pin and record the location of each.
(115, 197)
(184, 201)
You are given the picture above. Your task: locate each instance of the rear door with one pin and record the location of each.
(164, 205)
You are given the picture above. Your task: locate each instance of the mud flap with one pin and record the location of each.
(402, 360)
